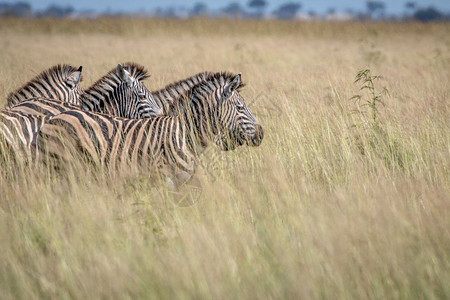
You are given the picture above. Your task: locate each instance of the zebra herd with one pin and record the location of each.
(119, 124)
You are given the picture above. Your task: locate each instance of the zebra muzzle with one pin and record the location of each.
(257, 138)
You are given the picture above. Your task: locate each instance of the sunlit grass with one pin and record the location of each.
(307, 214)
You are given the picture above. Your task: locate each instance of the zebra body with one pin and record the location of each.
(121, 93)
(216, 109)
(59, 82)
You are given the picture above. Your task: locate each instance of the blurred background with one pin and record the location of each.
(345, 10)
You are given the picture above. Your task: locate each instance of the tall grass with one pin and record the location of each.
(307, 214)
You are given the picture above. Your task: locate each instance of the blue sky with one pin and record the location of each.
(392, 6)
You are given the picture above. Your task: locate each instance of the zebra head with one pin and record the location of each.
(121, 93)
(236, 123)
(133, 96)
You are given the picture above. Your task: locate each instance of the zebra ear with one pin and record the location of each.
(232, 86)
(124, 75)
(74, 78)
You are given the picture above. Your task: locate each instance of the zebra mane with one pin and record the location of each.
(211, 81)
(183, 85)
(106, 83)
(223, 78)
(56, 73)
(137, 71)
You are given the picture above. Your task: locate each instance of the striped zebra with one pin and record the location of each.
(59, 82)
(121, 93)
(216, 112)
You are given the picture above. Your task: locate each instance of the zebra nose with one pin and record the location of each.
(259, 135)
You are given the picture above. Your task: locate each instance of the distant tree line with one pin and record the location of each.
(24, 9)
(375, 10)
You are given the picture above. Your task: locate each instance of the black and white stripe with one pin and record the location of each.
(121, 93)
(41, 107)
(17, 132)
(59, 82)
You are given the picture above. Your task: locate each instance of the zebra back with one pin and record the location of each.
(59, 82)
(39, 106)
(121, 93)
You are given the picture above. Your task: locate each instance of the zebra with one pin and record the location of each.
(59, 82)
(216, 112)
(121, 93)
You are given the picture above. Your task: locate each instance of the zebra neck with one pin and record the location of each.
(197, 126)
(100, 102)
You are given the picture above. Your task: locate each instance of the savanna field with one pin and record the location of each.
(343, 199)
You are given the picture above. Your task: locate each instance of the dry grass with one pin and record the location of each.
(304, 215)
